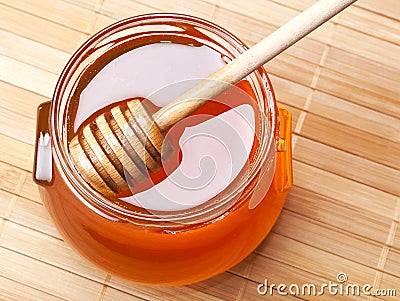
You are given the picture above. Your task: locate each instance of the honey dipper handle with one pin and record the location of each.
(247, 62)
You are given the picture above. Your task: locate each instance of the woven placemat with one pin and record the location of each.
(341, 218)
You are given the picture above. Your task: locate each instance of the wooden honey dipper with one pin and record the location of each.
(121, 144)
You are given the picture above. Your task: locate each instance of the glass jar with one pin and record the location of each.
(174, 248)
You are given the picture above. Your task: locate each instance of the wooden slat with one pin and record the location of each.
(14, 125)
(314, 206)
(30, 190)
(198, 8)
(367, 46)
(354, 115)
(39, 30)
(14, 290)
(352, 140)
(181, 293)
(306, 49)
(15, 151)
(298, 5)
(369, 22)
(348, 165)
(328, 238)
(369, 71)
(89, 4)
(123, 9)
(19, 100)
(390, 8)
(355, 90)
(38, 274)
(102, 21)
(316, 261)
(57, 11)
(341, 86)
(9, 176)
(232, 20)
(396, 242)
(224, 286)
(289, 67)
(289, 92)
(390, 282)
(349, 192)
(27, 77)
(128, 8)
(112, 294)
(31, 243)
(33, 53)
(33, 215)
(5, 199)
(392, 265)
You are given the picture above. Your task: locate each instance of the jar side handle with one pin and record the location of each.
(284, 151)
(43, 160)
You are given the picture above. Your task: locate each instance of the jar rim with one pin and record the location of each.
(95, 200)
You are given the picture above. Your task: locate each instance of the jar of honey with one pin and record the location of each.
(219, 191)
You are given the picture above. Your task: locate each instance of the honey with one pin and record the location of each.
(161, 71)
(217, 194)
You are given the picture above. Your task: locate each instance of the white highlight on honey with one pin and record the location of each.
(213, 154)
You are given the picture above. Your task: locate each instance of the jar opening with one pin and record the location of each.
(150, 29)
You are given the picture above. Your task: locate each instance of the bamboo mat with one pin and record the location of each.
(341, 85)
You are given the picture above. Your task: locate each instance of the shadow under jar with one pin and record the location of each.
(153, 241)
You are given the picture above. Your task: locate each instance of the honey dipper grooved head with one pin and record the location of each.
(117, 148)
